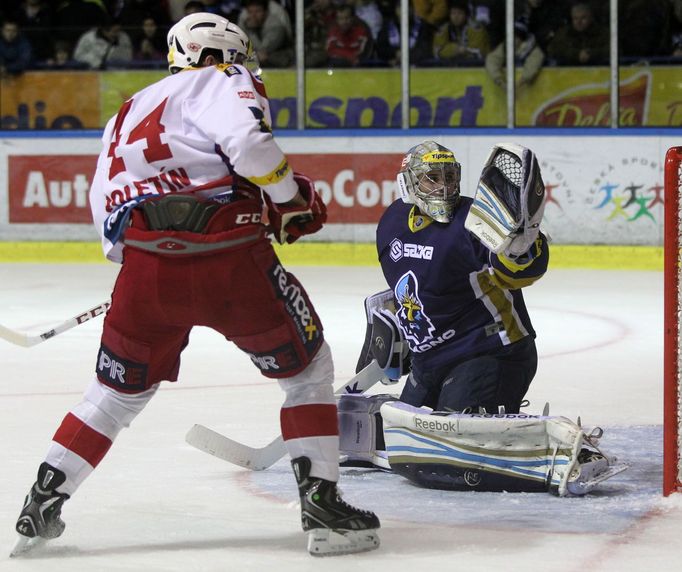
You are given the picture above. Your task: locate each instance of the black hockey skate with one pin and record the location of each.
(334, 526)
(40, 518)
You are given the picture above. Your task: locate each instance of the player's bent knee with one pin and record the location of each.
(118, 406)
(314, 383)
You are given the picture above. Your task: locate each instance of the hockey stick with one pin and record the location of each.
(27, 340)
(260, 458)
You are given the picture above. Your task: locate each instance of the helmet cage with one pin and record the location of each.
(432, 175)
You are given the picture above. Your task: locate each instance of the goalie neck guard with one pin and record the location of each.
(196, 35)
(429, 177)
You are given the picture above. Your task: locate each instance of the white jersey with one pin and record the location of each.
(188, 133)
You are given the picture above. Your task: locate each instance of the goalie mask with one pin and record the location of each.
(196, 34)
(429, 178)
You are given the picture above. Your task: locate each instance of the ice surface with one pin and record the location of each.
(156, 504)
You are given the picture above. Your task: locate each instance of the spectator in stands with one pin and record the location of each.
(349, 42)
(15, 50)
(433, 12)
(581, 42)
(527, 55)
(74, 17)
(35, 19)
(104, 46)
(271, 39)
(275, 11)
(317, 21)
(368, 11)
(460, 41)
(131, 13)
(491, 15)
(193, 7)
(643, 27)
(544, 18)
(229, 9)
(420, 39)
(61, 57)
(675, 49)
(150, 43)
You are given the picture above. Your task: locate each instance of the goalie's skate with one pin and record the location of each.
(593, 468)
(40, 517)
(334, 527)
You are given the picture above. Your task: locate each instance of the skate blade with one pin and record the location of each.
(327, 542)
(581, 488)
(25, 545)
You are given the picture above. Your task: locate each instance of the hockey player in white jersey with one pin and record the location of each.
(188, 173)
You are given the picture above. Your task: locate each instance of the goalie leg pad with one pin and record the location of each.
(453, 478)
(493, 452)
(361, 436)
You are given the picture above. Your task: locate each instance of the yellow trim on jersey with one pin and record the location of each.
(223, 67)
(509, 282)
(498, 298)
(417, 221)
(514, 266)
(274, 176)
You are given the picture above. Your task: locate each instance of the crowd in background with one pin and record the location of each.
(116, 34)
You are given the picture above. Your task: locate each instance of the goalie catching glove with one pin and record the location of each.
(289, 223)
(509, 201)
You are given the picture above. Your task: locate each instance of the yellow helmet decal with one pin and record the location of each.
(439, 157)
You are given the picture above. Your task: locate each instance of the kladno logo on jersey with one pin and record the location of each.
(416, 325)
(398, 250)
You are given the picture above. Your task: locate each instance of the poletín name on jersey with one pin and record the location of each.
(172, 181)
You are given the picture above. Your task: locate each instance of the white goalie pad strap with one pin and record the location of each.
(509, 201)
(532, 448)
(360, 429)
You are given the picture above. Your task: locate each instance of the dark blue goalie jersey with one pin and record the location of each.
(454, 298)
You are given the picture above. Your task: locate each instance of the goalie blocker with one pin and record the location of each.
(384, 341)
(484, 452)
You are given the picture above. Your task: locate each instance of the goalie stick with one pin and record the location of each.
(260, 458)
(27, 340)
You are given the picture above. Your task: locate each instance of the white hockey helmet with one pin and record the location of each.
(429, 177)
(189, 39)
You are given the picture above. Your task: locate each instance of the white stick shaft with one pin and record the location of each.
(260, 458)
(27, 340)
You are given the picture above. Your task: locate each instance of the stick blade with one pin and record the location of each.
(255, 459)
(16, 338)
